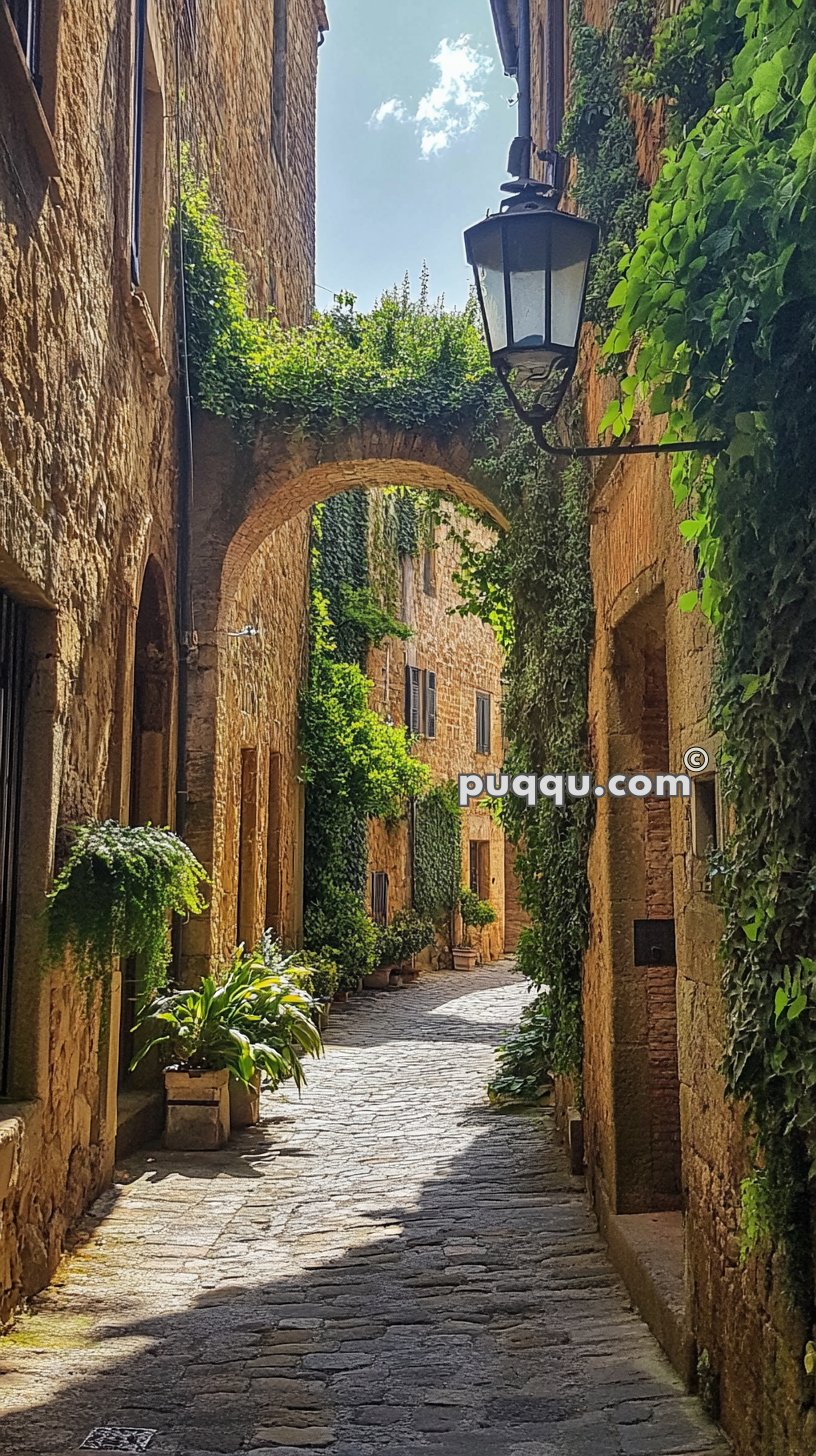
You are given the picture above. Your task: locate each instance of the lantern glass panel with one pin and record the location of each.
(570, 250)
(490, 277)
(527, 257)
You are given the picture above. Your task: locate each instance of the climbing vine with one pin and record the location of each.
(719, 295)
(598, 132)
(533, 587)
(437, 852)
(356, 767)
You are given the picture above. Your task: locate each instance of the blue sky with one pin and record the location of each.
(414, 128)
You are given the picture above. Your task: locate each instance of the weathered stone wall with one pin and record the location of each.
(89, 486)
(641, 864)
(258, 712)
(466, 658)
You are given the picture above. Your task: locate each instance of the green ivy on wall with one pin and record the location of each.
(533, 587)
(356, 767)
(719, 296)
(437, 852)
(598, 132)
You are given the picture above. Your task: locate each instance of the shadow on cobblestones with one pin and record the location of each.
(384, 1267)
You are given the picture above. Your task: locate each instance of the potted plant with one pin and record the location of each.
(246, 1025)
(325, 978)
(475, 915)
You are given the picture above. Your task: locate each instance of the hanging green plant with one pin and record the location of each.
(114, 896)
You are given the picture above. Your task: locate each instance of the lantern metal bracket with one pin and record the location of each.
(571, 452)
(537, 417)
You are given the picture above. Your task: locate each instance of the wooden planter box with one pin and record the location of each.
(464, 959)
(197, 1112)
(245, 1102)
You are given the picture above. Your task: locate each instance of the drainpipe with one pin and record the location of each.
(186, 635)
(520, 158)
(525, 105)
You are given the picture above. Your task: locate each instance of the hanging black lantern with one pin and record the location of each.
(531, 266)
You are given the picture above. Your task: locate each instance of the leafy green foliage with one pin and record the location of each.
(598, 131)
(358, 609)
(535, 586)
(476, 913)
(437, 852)
(249, 1020)
(114, 897)
(336, 925)
(407, 934)
(356, 766)
(689, 59)
(324, 974)
(413, 363)
(719, 295)
(524, 1068)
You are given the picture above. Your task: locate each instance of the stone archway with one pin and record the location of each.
(246, 489)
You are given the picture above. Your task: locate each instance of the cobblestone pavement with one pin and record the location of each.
(383, 1267)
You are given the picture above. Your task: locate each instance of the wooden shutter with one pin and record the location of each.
(412, 719)
(430, 704)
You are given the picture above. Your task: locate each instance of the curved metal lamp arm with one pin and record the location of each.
(536, 423)
(705, 447)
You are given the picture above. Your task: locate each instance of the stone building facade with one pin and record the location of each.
(95, 104)
(665, 1151)
(460, 733)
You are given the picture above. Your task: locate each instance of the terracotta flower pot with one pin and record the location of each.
(197, 1110)
(245, 1102)
(464, 959)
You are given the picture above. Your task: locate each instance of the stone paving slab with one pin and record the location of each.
(385, 1267)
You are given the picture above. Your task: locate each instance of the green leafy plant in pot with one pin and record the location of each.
(476, 914)
(246, 1025)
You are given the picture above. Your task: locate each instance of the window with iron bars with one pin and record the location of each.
(379, 897)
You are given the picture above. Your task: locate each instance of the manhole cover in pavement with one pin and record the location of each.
(117, 1438)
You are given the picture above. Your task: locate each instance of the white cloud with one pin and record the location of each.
(452, 107)
(388, 110)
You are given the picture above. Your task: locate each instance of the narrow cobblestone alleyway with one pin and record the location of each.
(383, 1267)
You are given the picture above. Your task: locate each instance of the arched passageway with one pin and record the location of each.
(245, 491)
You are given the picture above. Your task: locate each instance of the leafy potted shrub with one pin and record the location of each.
(325, 979)
(475, 915)
(339, 928)
(248, 1024)
(114, 897)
